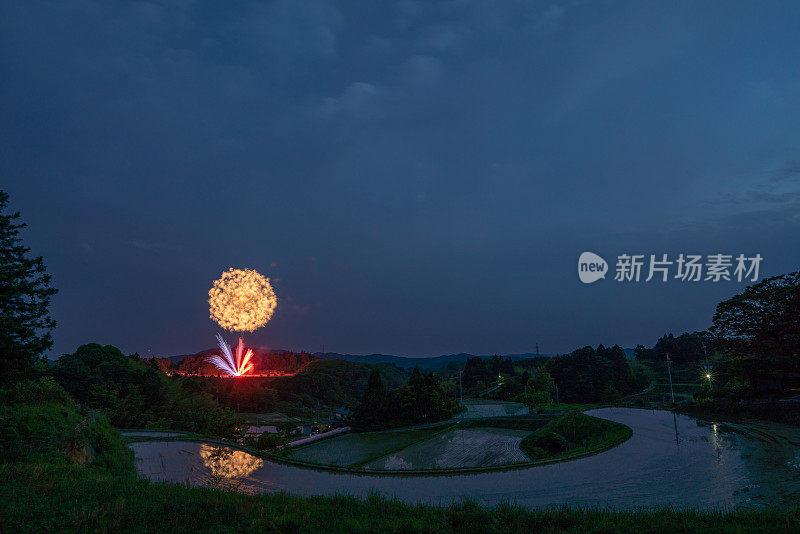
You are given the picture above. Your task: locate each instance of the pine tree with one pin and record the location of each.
(25, 293)
(371, 412)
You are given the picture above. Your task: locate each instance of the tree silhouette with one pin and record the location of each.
(25, 293)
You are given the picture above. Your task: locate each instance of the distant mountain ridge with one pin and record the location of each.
(406, 362)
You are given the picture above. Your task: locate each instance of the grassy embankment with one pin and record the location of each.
(574, 434)
(63, 468)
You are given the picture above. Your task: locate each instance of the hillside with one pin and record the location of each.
(264, 361)
(432, 364)
(335, 382)
(322, 382)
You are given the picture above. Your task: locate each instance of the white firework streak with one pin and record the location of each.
(235, 366)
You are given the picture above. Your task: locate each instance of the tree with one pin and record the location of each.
(542, 381)
(757, 331)
(540, 388)
(133, 394)
(593, 375)
(420, 400)
(287, 429)
(267, 440)
(372, 407)
(686, 348)
(762, 321)
(25, 292)
(510, 388)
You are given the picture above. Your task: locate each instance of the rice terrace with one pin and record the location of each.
(399, 267)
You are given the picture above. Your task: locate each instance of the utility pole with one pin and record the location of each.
(460, 391)
(669, 373)
(708, 365)
(556, 385)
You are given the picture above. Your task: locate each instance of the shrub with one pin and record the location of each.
(551, 442)
(39, 421)
(267, 441)
(574, 432)
(42, 390)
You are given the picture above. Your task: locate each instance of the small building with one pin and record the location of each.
(341, 413)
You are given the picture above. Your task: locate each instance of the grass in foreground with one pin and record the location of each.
(45, 436)
(43, 497)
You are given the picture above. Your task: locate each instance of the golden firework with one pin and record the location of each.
(241, 300)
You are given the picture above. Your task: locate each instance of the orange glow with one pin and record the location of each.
(241, 300)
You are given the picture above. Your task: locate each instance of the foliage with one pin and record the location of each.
(551, 443)
(757, 333)
(323, 382)
(594, 375)
(540, 388)
(39, 421)
(496, 377)
(44, 389)
(485, 370)
(586, 375)
(509, 389)
(45, 490)
(535, 399)
(25, 292)
(287, 429)
(686, 348)
(374, 404)
(573, 433)
(763, 320)
(45, 497)
(134, 394)
(421, 400)
(267, 441)
(263, 361)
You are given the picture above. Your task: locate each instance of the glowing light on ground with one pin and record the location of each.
(234, 365)
(229, 463)
(241, 300)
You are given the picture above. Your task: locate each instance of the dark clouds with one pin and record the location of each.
(443, 163)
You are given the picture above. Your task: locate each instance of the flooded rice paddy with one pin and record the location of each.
(671, 460)
(351, 449)
(468, 447)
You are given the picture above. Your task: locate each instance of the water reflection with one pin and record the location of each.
(675, 423)
(229, 463)
(714, 465)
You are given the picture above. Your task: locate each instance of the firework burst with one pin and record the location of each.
(234, 365)
(241, 300)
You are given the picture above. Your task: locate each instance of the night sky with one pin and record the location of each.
(416, 178)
